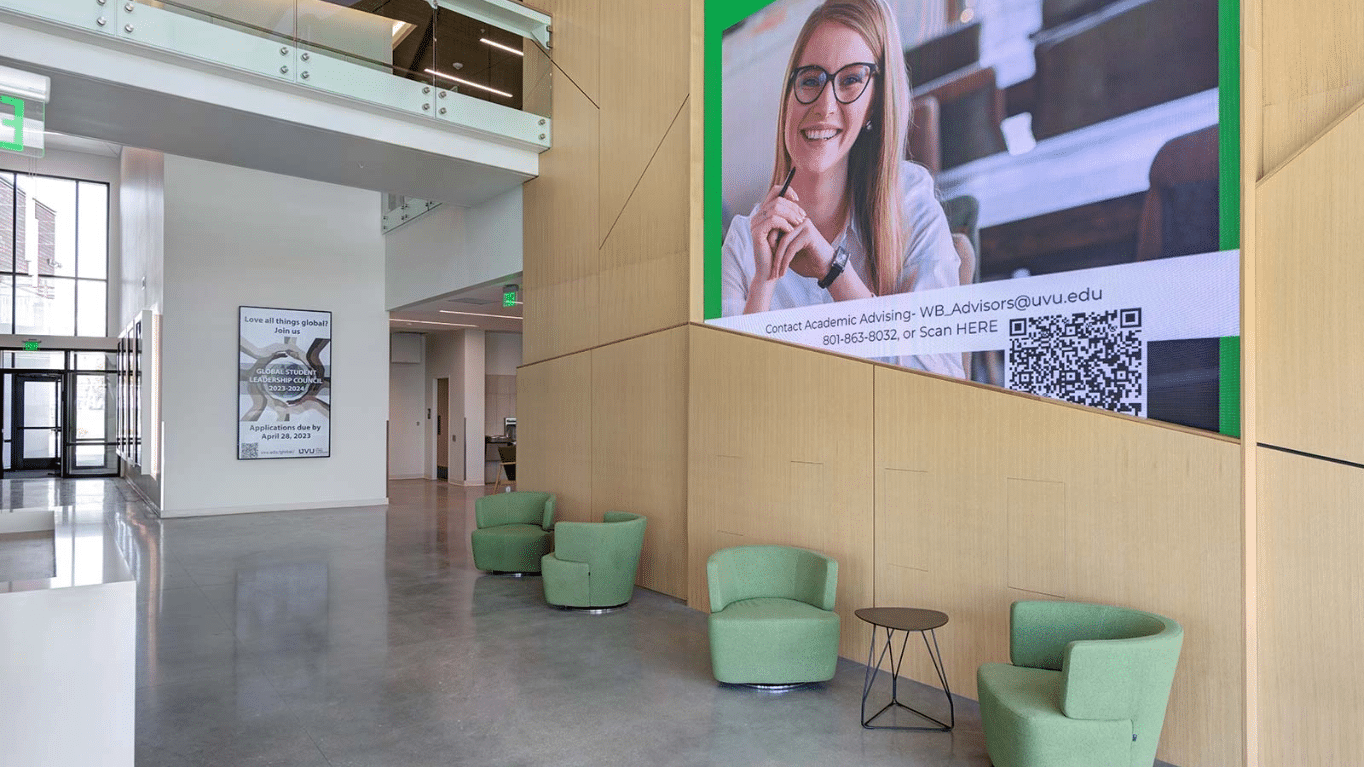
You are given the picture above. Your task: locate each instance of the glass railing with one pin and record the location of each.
(396, 210)
(481, 64)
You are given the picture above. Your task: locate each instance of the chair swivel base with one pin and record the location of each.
(593, 610)
(776, 689)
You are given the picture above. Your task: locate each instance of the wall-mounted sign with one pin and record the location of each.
(509, 295)
(32, 346)
(23, 99)
(284, 388)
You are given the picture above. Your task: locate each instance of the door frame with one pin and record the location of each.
(18, 378)
(441, 428)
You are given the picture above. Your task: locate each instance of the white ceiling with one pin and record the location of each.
(461, 310)
(65, 143)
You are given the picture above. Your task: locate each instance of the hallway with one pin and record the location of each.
(365, 637)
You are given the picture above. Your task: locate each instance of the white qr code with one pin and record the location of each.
(1088, 358)
(249, 450)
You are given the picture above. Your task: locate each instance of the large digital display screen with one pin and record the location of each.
(284, 383)
(1041, 195)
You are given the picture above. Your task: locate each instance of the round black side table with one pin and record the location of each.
(905, 619)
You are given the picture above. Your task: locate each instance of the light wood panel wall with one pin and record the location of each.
(605, 430)
(1304, 543)
(554, 432)
(696, 190)
(607, 225)
(1312, 71)
(644, 278)
(577, 40)
(780, 452)
(1310, 579)
(1251, 141)
(984, 498)
(645, 57)
(1310, 288)
(560, 258)
(639, 447)
(607, 260)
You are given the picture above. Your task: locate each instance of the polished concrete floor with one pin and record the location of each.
(365, 637)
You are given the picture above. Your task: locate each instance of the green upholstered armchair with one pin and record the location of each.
(513, 531)
(593, 563)
(772, 618)
(1088, 686)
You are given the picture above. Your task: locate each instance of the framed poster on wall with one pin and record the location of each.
(283, 383)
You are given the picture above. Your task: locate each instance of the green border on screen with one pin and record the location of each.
(1229, 197)
(723, 14)
(720, 15)
(1229, 386)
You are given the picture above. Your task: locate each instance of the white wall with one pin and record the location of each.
(140, 281)
(504, 353)
(472, 364)
(459, 356)
(407, 406)
(452, 248)
(141, 272)
(238, 237)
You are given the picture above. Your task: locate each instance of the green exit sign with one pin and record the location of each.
(509, 298)
(23, 96)
(32, 346)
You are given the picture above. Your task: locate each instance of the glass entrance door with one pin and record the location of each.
(36, 423)
(92, 417)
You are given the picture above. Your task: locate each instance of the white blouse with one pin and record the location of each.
(930, 259)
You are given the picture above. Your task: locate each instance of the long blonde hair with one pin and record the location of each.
(875, 158)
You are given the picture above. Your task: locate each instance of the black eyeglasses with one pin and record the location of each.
(850, 82)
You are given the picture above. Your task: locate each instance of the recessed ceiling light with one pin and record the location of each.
(506, 48)
(429, 322)
(476, 314)
(462, 81)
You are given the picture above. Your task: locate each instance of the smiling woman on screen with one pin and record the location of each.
(857, 220)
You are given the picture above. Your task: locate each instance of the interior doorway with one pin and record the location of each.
(442, 428)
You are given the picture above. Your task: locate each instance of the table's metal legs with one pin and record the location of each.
(934, 654)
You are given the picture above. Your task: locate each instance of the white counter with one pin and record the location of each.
(67, 647)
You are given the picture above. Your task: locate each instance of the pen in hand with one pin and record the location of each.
(784, 186)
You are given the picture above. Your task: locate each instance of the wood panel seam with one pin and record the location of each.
(1163, 425)
(1310, 143)
(1315, 456)
(647, 165)
(549, 55)
(603, 346)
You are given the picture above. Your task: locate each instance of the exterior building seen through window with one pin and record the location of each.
(54, 255)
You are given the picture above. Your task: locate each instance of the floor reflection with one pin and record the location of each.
(365, 637)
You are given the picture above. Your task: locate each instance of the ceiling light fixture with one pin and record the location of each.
(476, 314)
(506, 48)
(429, 322)
(462, 81)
